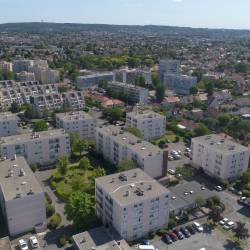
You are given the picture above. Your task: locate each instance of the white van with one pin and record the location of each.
(147, 247)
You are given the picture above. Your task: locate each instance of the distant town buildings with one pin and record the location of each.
(78, 121)
(25, 76)
(6, 66)
(8, 124)
(116, 145)
(132, 202)
(41, 148)
(21, 197)
(219, 157)
(134, 93)
(151, 124)
(92, 80)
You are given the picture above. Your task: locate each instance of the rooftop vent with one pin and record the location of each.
(126, 193)
(149, 187)
(22, 173)
(139, 192)
(134, 175)
(18, 195)
(123, 177)
(30, 192)
(143, 148)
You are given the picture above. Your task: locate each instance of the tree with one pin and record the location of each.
(126, 165)
(84, 164)
(113, 114)
(62, 165)
(80, 209)
(193, 90)
(241, 232)
(200, 202)
(223, 119)
(198, 73)
(202, 129)
(160, 92)
(134, 131)
(82, 145)
(15, 108)
(40, 126)
(215, 214)
(77, 183)
(209, 87)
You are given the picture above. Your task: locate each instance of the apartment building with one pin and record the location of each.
(180, 84)
(25, 76)
(42, 148)
(21, 197)
(92, 80)
(168, 67)
(131, 75)
(151, 124)
(6, 66)
(22, 65)
(77, 121)
(116, 145)
(73, 100)
(132, 203)
(135, 94)
(221, 158)
(8, 124)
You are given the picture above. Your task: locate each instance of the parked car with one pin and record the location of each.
(223, 221)
(232, 189)
(34, 242)
(198, 227)
(185, 232)
(166, 238)
(170, 158)
(191, 229)
(171, 171)
(218, 188)
(23, 244)
(229, 225)
(173, 236)
(179, 234)
(145, 242)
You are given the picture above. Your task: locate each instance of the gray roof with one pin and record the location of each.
(8, 116)
(222, 145)
(127, 86)
(76, 115)
(139, 146)
(13, 183)
(131, 186)
(99, 239)
(23, 138)
(146, 114)
(183, 200)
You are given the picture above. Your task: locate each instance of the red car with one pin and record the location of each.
(173, 236)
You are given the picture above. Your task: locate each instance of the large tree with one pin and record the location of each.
(80, 209)
(84, 164)
(40, 126)
(160, 92)
(215, 214)
(62, 165)
(241, 232)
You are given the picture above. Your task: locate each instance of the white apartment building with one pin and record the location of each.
(77, 121)
(42, 148)
(116, 145)
(221, 158)
(21, 197)
(8, 124)
(6, 66)
(151, 124)
(167, 66)
(134, 93)
(132, 203)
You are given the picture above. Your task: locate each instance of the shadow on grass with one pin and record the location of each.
(232, 245)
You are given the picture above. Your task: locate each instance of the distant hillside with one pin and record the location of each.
(41, 27)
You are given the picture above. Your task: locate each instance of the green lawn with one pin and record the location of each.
(168, 137)
(74, 180)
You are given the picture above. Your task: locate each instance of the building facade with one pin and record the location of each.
(78, 121)
(221, 158)
(41, 148)
(168, 67)
(116, 145)
(151, 124)
(132, 203)
(8, 124)
(21, 197)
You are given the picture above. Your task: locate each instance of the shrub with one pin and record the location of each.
(62, 240)
(54, 221)
(48, 199)
(33, 167)
(151, 235)
(50, 210)
(161, 232)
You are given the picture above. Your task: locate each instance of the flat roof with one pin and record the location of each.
(145, 114)
(76, 115)
(17, 179)
(131, 186)
(8, 116)
(22, 138)
(5, 243)
(125, 138)
(183, 196)
(126, 85)
(217, 143)
(99, 239)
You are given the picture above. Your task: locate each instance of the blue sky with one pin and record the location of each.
(194, 13)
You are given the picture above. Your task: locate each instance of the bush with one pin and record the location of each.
(48, 199)
(33, 167)
(50, 210)
(54, 221)
(63, 241)
(161, 232)
(151, 235)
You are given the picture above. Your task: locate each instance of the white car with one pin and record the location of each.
(218, 188)
(34, 242)
(229, 225)
(198, 227)
(23, 244)
(223, 221)
(171, 171)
